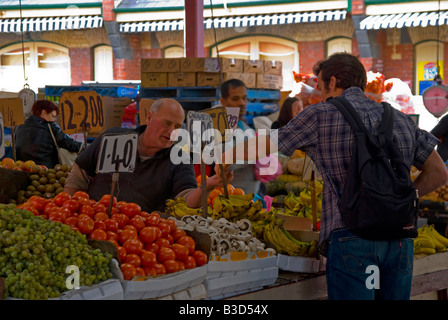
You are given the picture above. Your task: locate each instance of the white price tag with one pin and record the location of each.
(118, 153)
(197, 124)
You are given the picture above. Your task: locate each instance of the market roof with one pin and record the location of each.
(400, 20)
(35, 4)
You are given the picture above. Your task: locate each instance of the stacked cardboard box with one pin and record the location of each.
(204, 72)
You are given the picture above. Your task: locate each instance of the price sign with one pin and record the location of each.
(12, 111)
(220, 121)
(117, 150)
(197, 124)
(2, 137)
(81, 111)
(28, 97)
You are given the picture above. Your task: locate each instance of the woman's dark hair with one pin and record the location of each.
(231, 83)
(346, 68)
(286, 111)
(46, 105)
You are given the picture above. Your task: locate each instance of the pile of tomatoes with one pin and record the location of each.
(147, 244)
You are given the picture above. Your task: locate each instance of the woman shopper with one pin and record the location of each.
(34, 140)
(290, 108)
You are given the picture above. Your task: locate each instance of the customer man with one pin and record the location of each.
(234, 95)
(323, 133)
(155, 177)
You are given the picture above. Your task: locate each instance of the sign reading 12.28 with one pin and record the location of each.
(81, 111)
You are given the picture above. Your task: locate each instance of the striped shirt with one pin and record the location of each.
(324, 135)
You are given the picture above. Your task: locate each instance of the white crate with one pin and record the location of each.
(107, 290)
(298, 264)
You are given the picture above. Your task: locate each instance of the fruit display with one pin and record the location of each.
(306, 88)
(300, 205)
(438, 195)
(226, 236)
(35, 252)
(376, 86)
(28, 166)
(146, 244)
(45, 182)
(429, 241)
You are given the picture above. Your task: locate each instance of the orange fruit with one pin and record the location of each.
(28, 165)
(230, 189)
(199, 179)
(238, 191)
(8, 162)
(214, 193)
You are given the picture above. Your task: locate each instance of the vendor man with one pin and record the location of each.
(155, 178)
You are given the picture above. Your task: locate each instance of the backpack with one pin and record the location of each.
(379, 200)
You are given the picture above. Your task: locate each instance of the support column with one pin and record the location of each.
(194, 28)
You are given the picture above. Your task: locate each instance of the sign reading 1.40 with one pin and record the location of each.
(81, 111)
(118, 153)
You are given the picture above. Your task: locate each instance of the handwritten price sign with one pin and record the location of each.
(220, 120)
(117, 151)
(12, 111)
(81, 111)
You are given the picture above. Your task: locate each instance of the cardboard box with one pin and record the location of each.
(143, 107)
(154, 79)
(181, 79)
(269, 81)
(205, 79)
(113, 112)
(249, 79)
(160, 65)
(199, 65)
(231, 65)
(253, 66)
(272, 67)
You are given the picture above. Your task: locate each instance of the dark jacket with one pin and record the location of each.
(34, 142)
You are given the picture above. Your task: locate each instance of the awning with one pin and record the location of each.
(416, 19)
(237, 21)
(50, 24)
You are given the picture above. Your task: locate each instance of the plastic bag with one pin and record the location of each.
(268, 168)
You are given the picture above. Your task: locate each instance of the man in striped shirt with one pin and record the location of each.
(322, 132)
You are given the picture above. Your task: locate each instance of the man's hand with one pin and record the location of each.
(217, 181)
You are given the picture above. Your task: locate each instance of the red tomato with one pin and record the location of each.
(80, 195)
(148, 258)
(137, 222)
(71, 204)
(111, 225)
(38, 202)
(71, 221)
(160, 268)
(120, 204)
(172, 224)
(61, 197)
(154, 247)
(171, 266)
(133, 259)
(181, 265)
(121, 253)
(188, 242)
(57, 216)
(165, 253)
(87, 210)
(29, 208)
(163, 242)
(99, 207)
(133, 245)
(126, 235)
(65, 211)
(83, 201)
(100, 216)
(100, 225)
(200, 257)
(48, 206)
(130, 227)
(121, 218)
(98, 234)
(112, 235)
(86, 225)
(150, 271)
(144, 215)
(140, 272)
(148, 234)
(165, 228)
(190, 263)
(153, 219)
(177, 234)
(170, 239)
(114, 242)
(106, 199)
(131, 209)
(128, 271)
(180, 250)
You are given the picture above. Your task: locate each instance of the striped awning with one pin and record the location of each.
(50, 24)
(237, 21)
(416, 19)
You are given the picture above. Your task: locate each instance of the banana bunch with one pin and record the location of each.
(284, 243)
(236, 207)
(179, 208)
(429, 241)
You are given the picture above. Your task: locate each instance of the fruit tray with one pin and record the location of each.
(159, 286)
(196, 292)
(231, 277)
(298, 264)
(107, 290)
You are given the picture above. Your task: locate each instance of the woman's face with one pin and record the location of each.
(296, 107)
(49, 116)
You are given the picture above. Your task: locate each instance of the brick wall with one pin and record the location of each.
(309, 53)
(81, 63)
(129, 69)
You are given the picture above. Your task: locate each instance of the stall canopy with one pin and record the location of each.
(50, 23)
(237, 21)
(400, 20)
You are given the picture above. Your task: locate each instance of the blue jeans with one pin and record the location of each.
(359, 269)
